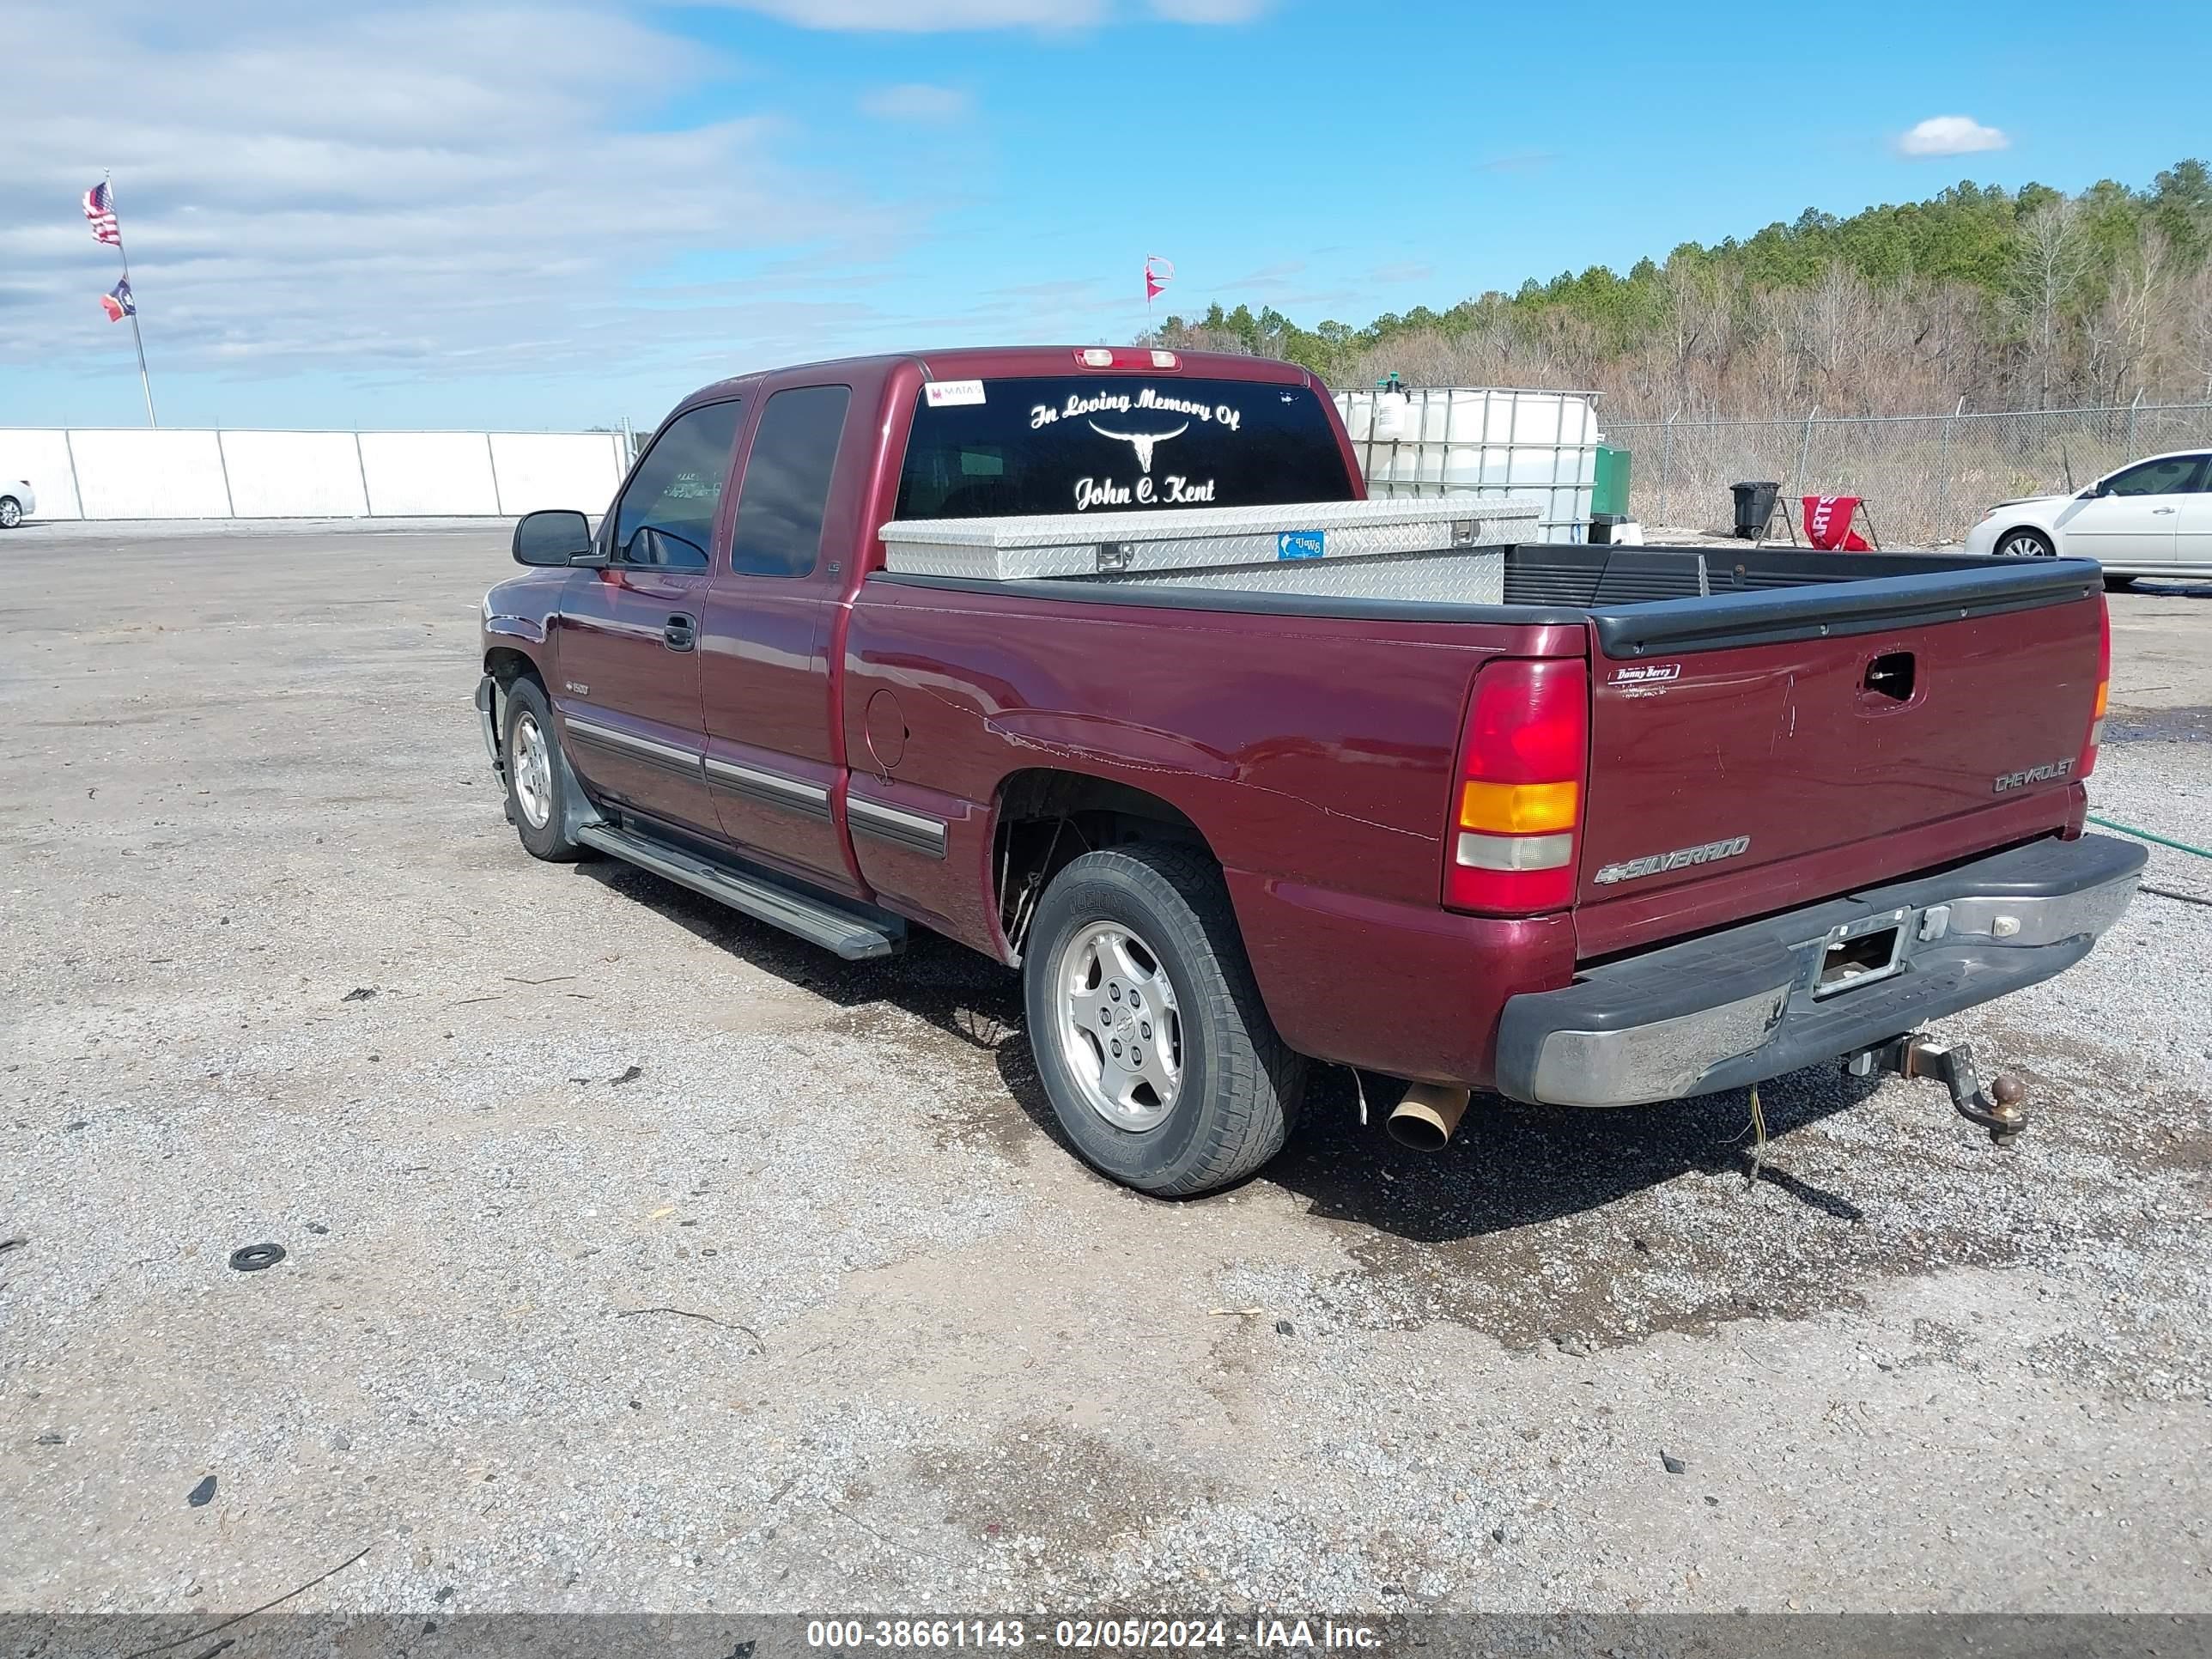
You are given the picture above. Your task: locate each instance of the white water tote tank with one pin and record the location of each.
(1483, 441)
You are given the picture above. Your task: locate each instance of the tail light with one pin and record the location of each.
(2088, 760)
(1517, 799)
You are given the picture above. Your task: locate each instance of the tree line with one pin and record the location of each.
(2030, 299)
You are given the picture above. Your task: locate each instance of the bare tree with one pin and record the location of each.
(2192, 305)
(2127, 339)
(2051, 257)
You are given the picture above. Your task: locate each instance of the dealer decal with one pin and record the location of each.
(1644, 679)
(952, 394)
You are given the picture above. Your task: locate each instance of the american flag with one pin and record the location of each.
(99, 207)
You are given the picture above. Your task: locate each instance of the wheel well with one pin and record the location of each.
(1047, 817)
(505, 665)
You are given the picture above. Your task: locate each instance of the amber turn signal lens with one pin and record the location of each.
(1517, 809)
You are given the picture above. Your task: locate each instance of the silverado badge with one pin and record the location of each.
(1680, 859)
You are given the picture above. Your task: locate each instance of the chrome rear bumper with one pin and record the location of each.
(1750, 1003)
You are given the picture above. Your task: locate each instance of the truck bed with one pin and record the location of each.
(1642, 597)
(1755, 712)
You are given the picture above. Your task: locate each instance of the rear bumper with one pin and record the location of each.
(1740, 1006)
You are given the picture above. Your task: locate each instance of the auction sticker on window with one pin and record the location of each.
(943, 394)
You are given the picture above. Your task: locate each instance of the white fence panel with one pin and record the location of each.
(428, 474)
(294, 475)
(40, 454)
(556, 469)
(150, 475)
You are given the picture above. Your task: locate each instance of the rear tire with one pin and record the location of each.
(2026, 543)
(11, 513)
(1147, 1026)
(540, 788)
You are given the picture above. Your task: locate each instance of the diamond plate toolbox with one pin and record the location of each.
(1300, 548)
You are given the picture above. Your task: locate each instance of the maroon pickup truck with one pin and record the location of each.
(1661, 822)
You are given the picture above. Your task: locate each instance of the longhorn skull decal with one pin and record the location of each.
(1143, 441)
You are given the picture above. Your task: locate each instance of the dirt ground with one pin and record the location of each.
(640, 1257)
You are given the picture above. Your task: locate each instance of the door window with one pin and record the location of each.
(2171, 477)
(785, 491)
(667, 515)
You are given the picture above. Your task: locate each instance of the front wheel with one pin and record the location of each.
(11, 513)
(2026, 545)
(539, 784)
(1147, 1027)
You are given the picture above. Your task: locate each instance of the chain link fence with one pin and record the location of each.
(1925, 477)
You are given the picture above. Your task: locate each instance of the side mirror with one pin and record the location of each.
(554, 535)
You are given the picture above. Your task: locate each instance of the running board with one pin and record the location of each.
(853, 936)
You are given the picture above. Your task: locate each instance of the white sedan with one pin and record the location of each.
(17, 503)
(2153, 518)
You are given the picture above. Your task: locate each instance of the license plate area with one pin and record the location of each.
(1858, 953)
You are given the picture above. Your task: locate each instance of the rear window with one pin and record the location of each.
(1011, 448)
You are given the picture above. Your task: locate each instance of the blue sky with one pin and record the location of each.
(537, 213)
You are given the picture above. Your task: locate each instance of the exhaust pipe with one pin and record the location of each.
(1426, 1118)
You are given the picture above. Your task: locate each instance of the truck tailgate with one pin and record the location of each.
(1722, 772)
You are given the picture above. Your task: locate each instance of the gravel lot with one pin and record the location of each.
(642, 1258)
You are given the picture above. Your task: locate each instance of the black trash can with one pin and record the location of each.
(1754, 506)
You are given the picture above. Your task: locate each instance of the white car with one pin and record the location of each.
(2151, 518)
(17, 501)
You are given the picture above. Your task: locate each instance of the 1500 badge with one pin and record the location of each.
(2043, 774)
(1680, 859)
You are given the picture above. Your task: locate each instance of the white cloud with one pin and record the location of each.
(914, 102)
(466, 189)
(929, 16)
(945, 16)
(1209, 11)
(1950, 135)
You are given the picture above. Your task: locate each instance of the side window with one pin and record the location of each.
(786, 490)
(666, 516)
(2173, 475)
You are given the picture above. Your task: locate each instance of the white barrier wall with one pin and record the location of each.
(554, 469)
(427, 473)
(149, 474)
(293, 475)
(41, 455)
(128, 473)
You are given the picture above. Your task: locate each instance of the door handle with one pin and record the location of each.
(680, 633)
(2159, 511)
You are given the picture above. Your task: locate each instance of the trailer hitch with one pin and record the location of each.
(2002, 1109)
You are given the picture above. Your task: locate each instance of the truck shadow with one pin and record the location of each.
(1508, 1166)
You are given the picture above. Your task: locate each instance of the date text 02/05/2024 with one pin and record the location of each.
(1123, 1634)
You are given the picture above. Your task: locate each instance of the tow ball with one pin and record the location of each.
(2001, 1109)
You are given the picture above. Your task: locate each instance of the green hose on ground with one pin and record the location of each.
(2145, 835)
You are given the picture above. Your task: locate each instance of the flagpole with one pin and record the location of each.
(137, 339)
